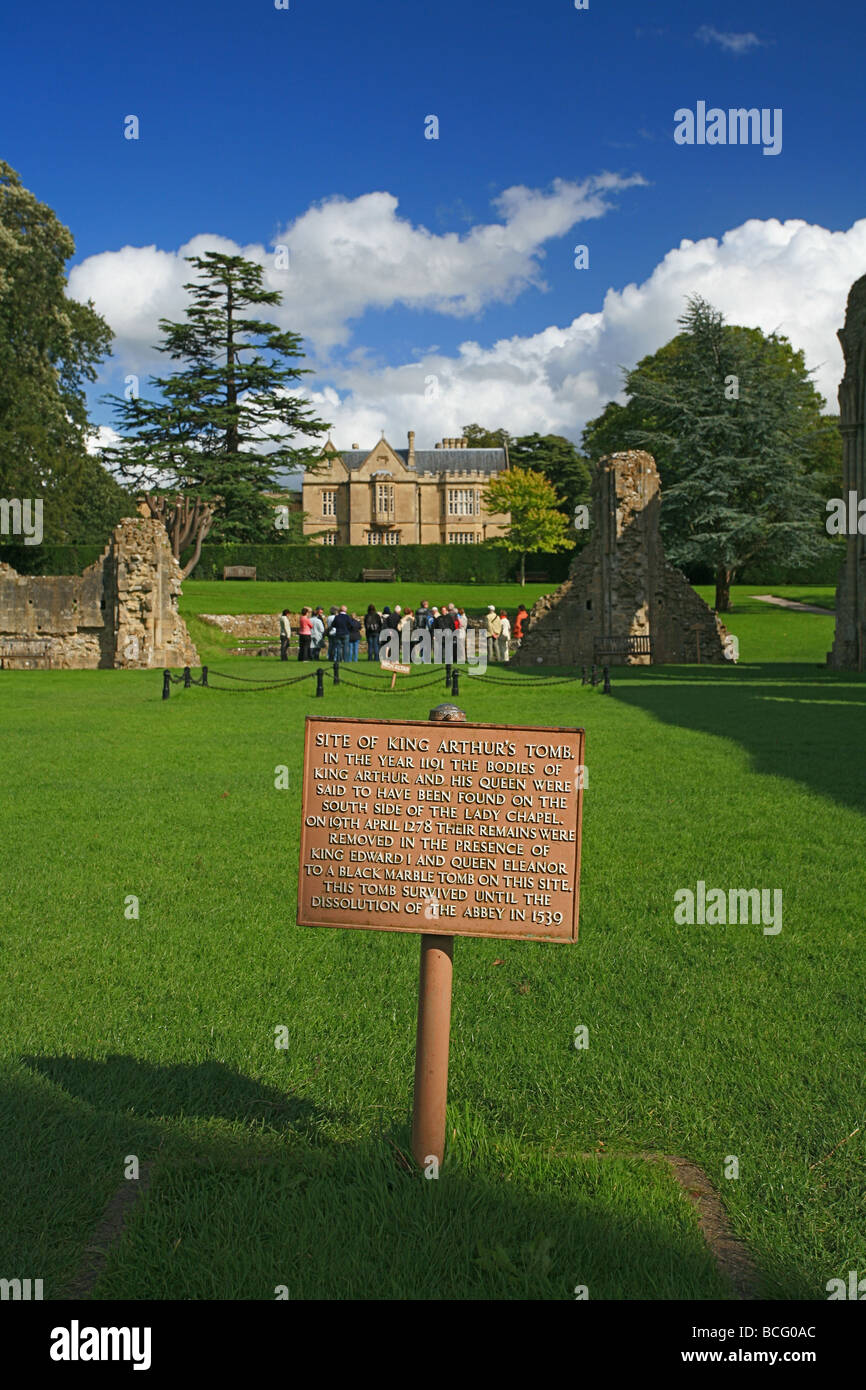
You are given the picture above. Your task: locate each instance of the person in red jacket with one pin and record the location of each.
(519, 623)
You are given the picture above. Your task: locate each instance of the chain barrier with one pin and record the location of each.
(260, 683)
(528, 685)
(416, 685)
(258, 680)
(280, 685)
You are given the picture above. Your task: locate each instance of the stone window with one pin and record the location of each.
(463, 501)
(462, 538)
(384, 497)
(329, 504)
(329, 538)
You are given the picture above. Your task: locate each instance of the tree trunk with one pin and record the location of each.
(523, 570)
(188, 569)
(723, 590)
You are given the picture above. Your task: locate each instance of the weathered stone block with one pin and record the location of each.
(100, 618)
(620, 586)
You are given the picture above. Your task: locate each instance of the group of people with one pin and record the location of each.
(338, 632)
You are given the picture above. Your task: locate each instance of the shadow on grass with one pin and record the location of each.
(276, 1203)
(201, 1090)
(799, 722)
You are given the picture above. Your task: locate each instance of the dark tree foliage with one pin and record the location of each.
(734, 423)
(224, 423)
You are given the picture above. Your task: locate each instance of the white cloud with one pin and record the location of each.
(789, 277)
(732, 43)
(102, 438)
(350, 255)
(347, 256)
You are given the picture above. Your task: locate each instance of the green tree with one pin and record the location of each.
(479, 438)
(50, 347)
(560, 462)
(224, 423)
(734, 424)
(537, 523)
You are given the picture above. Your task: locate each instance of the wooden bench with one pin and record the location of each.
(239, 572)
(383, 576)
(537, 577)
(622, 646)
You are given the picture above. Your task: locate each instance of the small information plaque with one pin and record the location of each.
(448, 829)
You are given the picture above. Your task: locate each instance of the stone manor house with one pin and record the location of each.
(386, 496)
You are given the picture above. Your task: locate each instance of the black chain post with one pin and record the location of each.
(320, 684)
(204, 675)
(455, 683)
(583, 680)
(593, 678)
(606, 690)
(166, 684)
(448, 669)
(187, 678)
(336, 673)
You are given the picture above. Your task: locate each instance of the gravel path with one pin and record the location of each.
(790, 603)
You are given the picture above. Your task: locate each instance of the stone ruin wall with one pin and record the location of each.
(121, 612)
(850, 636)
(620, 585)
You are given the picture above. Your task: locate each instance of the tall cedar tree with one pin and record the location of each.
(225, 423)
(536, 521)
(735, 426)
(50, 347)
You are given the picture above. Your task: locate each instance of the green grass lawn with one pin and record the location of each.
(766, 633)
(243, 596)
(155, 1037)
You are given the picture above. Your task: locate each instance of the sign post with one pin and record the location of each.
(442, 828)
(431, 1048)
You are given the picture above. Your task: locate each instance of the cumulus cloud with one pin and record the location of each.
(789, 277)
(731, 43)
(349, 255)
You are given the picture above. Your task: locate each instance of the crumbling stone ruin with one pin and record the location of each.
(621, 587)
(848, 642)
(121, 612)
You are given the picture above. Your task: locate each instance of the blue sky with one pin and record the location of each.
(449, 259)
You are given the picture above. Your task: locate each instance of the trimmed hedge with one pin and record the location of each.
(51, 559)
(458, 564)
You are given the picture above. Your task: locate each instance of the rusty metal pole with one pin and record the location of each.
(434, 1024)
(431, 1048)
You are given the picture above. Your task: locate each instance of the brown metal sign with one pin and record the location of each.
(447, 829)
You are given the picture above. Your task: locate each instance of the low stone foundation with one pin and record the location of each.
(121, 612)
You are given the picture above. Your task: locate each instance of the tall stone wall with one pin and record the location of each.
(121, 612)
(620, 585)
(850, 636)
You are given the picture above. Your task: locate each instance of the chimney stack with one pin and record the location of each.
(356, 446)
(411, 460)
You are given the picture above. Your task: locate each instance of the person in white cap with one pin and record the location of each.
(493, 629)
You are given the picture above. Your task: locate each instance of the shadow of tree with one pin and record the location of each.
(236, 1215)
(792, 720)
